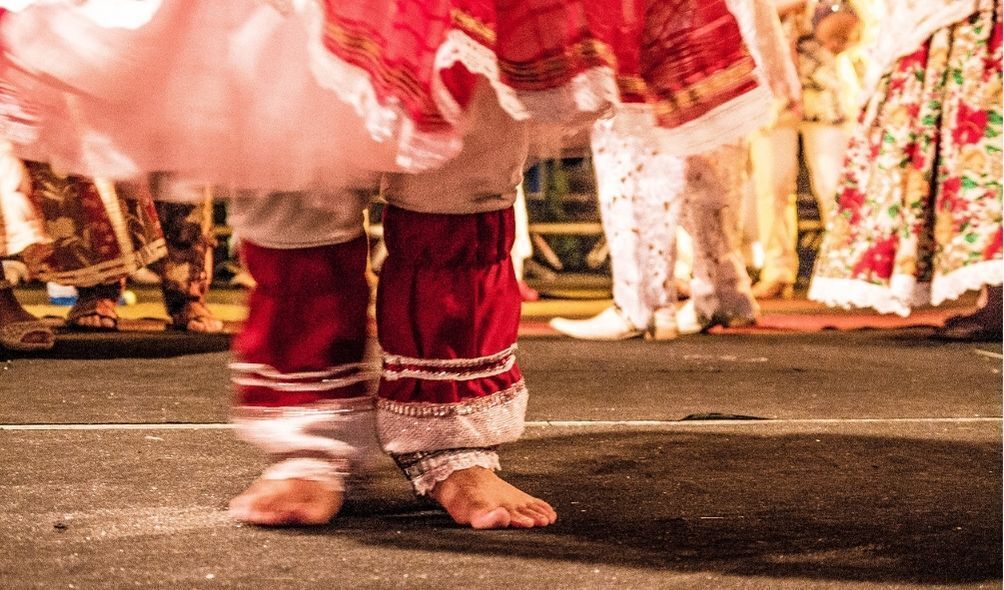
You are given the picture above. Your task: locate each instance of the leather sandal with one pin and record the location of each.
(101, 308)
(195, 317)
(27, 333)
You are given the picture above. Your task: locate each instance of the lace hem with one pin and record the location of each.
(589, 92)
(332, 431)
(417, 150)
(968, 278)
(906, 37)
(901, 294)
(723, 125)
(477, 423)
(424, 470)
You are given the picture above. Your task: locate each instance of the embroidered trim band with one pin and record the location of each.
(402, 367)
(474, 423)
(464, 408)
(258, 375)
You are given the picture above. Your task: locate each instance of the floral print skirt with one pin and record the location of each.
(100, 232)
(918, 214)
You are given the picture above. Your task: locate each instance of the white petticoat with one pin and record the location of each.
(151, 90)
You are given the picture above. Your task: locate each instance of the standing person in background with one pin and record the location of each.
(918, 217)
(646, 193)
(23, 235)
(821, 32)
(90, 235)
(171, 237)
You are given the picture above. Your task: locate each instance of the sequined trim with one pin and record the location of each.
(403, 367)
(464, 408)
(476, 423)
(449, 363)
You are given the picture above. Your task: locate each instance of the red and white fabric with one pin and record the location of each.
(307, 93)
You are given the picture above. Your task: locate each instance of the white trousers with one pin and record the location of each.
(775, 165)
(645, 194)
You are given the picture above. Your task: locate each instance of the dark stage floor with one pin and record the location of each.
(860, 459)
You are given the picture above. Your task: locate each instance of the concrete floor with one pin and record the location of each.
(867, 459)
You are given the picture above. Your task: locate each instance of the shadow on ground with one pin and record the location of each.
(125, 344)
(826, 507)
(771, 508)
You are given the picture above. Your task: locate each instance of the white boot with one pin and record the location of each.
(607, 325)
(687, 320)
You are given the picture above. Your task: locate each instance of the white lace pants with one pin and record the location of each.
(644, 195)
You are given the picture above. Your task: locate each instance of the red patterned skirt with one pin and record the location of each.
(277, 96)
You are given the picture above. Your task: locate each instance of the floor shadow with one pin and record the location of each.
(125, 344)
(823, 507)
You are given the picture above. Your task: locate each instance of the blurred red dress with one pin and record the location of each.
(247, 92)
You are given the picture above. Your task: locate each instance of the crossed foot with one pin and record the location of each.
(475, 497)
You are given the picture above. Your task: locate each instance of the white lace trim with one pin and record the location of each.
(436, 469)
(589, 92)
(330, 474)
(725, 124)
(903, 292)
(968, 278)
(337, 377)
(418, 150)
(403, 367)
(898, 297)
(481, 422)
(912, 22)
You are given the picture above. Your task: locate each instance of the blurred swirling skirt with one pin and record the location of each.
(320, 92)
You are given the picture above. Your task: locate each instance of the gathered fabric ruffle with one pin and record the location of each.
(313, 93)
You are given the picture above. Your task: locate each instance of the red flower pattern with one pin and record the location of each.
(877, 261)
(950, 191)
(993, 249)
(970, 125)
(851, 199)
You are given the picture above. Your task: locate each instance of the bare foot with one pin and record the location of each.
(286, 502)
(481, 499)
